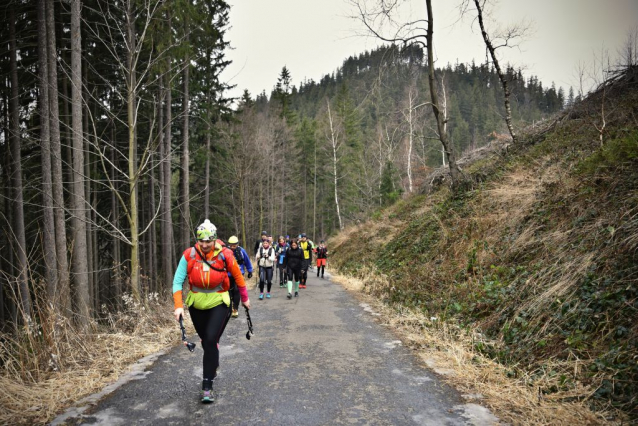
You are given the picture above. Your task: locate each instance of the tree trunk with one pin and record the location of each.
(314, 197)
(499, 72)
(165, 247)
(410, 142)
(16, 160)
(168, 240)
(48, 221)
(63, 296)
(185, 193)
(87, 189)
(333, 141)
(242, 209)
(455, 173)
(115, 241)
(152, 265)
(207, 172)
(133, 213)
(78, 201)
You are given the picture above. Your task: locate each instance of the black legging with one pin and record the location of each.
(294, 275)
(282, 274)
(305, 264)
(234, 293)
(210, 325)
(265, 275)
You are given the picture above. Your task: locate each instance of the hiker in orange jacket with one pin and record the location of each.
(207, 265)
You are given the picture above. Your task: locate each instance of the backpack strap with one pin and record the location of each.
(221, 255)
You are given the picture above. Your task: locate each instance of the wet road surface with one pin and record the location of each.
(319, 359)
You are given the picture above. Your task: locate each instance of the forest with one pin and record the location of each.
(119, 138)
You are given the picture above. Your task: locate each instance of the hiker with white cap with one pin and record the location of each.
(206, 265)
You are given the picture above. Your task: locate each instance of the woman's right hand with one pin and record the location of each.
(179, 312)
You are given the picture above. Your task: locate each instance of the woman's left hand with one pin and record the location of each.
(246, 304)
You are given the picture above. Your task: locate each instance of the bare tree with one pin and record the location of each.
(510, 37)
(385, 14)
(185, 180)
(48, 222)
(335, 143)
(629, 51)
(78, 201)
(16, 174)
(62, 298)
(123, 34)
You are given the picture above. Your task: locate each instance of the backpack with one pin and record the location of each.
(261, 252)
(239, 256)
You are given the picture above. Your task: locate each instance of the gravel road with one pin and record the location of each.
(319, 359)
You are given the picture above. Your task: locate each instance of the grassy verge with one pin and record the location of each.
(534, 266)
(51, 366)
(449, 351)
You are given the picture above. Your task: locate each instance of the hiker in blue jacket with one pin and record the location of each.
(243, 260)
(280, 255)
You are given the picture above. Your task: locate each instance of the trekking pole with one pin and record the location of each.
(189, 345)
(250, 324)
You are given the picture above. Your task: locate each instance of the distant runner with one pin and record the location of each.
(206, 266)
(322, 256)
(293, 263)
(306, 246)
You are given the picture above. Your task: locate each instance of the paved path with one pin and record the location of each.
(319, 359)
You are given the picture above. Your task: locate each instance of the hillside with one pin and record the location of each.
(535, 266)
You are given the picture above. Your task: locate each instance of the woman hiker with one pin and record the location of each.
(266, 260)
(322, 256)
(206, 265)
(280, 253)
(293, 263)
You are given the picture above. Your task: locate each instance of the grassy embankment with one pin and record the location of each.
(526, 284)
(53, 365)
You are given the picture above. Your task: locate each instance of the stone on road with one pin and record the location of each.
(318, 359)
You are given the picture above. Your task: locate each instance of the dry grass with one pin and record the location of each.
(73, 365)
(449, 351)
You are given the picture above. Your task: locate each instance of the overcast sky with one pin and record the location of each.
(313, 37)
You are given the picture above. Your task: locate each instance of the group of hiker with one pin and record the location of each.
(215, 272)
(291, 258)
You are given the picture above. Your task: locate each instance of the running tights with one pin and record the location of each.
(210, 325)
(234, 293)
(265, 276)
(293, 275)
(282, 274)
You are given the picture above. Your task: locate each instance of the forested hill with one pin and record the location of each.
(378, 85)
(326, 154)
(534, 265)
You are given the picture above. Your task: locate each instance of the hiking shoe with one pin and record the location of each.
(207, 396)
(267, 295)
(296, 294)
(289, 296)
(302, 286)
(261, 296)
(235, 314)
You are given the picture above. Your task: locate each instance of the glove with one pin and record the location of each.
(250, 275)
